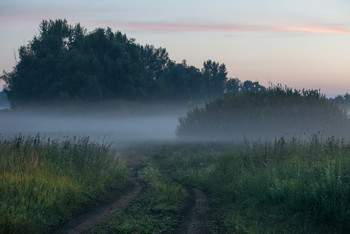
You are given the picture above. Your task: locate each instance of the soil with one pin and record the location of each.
(194, 221)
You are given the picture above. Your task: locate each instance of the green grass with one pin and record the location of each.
(43, 183)
(293, 187)
(284, 186)
(159, 208)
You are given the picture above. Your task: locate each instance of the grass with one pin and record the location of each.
(43, 183)
(158, 209)
(282, 186)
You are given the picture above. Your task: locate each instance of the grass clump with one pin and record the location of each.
(43, 182)
(283, 186)
(268, 113)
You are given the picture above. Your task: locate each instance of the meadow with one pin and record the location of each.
(280, 186)
(44, 183)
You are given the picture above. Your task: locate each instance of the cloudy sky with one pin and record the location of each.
(299, 43)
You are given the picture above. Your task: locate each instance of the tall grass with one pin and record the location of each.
(43, 182)
(281, 186)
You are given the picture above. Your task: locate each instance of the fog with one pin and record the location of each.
(143, 124)
(117, 129)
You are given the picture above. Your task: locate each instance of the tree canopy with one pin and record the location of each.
(65, 64)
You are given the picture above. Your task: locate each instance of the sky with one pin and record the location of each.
(299, 43)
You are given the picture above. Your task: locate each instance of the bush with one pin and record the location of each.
(273, 112)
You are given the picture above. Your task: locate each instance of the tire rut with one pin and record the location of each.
(195, 219)
(88, 221)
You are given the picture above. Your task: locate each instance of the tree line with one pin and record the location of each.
(66, 64)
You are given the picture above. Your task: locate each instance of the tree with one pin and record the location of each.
(215, 75)
(65, 61)
(233, 85)
(252, 86)
(155, 60)
(66, 64)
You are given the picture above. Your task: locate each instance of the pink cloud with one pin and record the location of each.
(231, 28)
(316, 29)
(182, 27)
(198, 28)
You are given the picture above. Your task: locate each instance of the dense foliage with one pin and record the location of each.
(271, 112)
(342, 100)
(66, 64)
(43, 183)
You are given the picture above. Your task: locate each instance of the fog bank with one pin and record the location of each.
(118, 130)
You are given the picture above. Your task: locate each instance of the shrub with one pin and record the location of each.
(273, 112)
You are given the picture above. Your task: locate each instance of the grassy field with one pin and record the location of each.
(43, 183)
(276, 187)
(283, 186)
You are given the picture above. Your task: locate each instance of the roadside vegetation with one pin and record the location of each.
(43, 183)
(274, 187)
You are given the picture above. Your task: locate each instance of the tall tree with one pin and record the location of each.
(66, 64)
(215, 75)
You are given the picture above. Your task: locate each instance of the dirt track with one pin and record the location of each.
(87, 221)
(193, 222)
(196, 217)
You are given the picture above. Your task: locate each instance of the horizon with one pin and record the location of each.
(301, 45)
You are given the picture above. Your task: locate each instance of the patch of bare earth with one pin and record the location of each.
(194, 222)
(87, 221)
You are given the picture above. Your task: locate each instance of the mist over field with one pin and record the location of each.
(227, 119)
(117, 129)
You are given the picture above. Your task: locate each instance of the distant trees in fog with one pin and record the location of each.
(272, 112)
(66, 64)
(342, 100)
